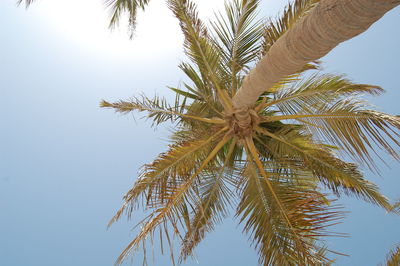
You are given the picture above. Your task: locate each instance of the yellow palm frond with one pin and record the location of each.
(158, 110)
(318, 88)
(283, 220)
(339, 176)
(396, 207)
(329, 109)
(215, 195)
(393, 258)
(171, 209)
(167, 172)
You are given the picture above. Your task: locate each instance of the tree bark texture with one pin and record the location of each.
(327, 25)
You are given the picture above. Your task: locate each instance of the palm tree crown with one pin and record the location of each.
(271, 168)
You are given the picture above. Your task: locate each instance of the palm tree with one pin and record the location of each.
(272, 167)
(265, 141)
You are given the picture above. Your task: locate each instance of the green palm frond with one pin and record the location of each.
(201, 90)
(190, 94)
(238, 35)
(120, 7)
(200, 87)
(200, 48)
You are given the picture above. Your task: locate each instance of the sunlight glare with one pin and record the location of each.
(85, 24)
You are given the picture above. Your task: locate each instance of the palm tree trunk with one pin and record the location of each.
(326, 26)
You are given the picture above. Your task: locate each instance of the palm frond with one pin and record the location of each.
(339, 176)
(117, 9)
(215, 195)
(166, 172)
(201, 88)
(239, 35)
(190, 94)
(158, 110)
(317, 89)
(283, 220)
(172, 210)
(396, 207)
(27, 2)
(329, 110)
(355, 132)
(393, 258)
(120, 7)
(200, 48)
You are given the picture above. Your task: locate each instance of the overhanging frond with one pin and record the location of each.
(27, 2)
(120, 7)
(117, 8)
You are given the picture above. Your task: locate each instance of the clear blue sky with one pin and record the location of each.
(65, 163)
